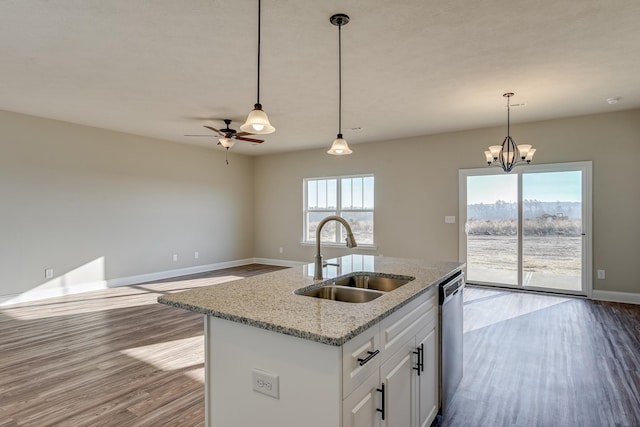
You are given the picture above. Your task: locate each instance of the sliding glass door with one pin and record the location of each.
(491, 229)
(528, 228)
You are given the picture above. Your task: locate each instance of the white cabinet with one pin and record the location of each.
(428, 387)
(325, 385)
(361, 408)
(401, 388)
(397, 378)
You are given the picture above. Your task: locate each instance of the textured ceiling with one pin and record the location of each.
(165, 68)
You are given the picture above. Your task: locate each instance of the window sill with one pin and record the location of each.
(340, 245)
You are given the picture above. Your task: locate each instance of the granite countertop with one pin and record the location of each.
(268, 301)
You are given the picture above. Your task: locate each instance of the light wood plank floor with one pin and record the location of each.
(117, 358)
(107, 358)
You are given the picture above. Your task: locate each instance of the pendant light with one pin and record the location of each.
(508, 155)
(339, 146)
(257, 121)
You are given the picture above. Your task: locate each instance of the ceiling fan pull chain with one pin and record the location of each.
(226, 156)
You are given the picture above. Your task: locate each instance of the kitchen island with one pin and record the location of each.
(276, 358)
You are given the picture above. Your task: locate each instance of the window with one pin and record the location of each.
(350, 197)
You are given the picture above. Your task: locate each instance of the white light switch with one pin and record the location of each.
(601, 274)
(265, 383)
(450, 219)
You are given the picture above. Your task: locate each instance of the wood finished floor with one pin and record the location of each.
(117, 358)
(107, 358)
(539, 360)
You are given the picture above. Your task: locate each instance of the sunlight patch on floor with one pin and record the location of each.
(162, 355)
(510, 306)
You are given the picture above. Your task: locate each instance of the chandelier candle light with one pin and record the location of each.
(508, 155)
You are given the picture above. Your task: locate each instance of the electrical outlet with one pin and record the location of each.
(450, 219)
(265, 383)
(601, 274)
(281, 250)
(175, 257)
(196, 255)
(48, 273)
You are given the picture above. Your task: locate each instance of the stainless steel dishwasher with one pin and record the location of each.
(451, 304)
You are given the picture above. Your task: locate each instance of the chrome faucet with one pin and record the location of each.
(351, 242)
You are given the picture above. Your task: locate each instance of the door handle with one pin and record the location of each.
(420, 353)
(420, 367)
(381, 390)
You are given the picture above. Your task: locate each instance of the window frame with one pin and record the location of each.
(339, 210)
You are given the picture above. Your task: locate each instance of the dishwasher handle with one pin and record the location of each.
(449, 290)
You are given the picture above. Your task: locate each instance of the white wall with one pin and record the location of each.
(96, 205)
(417, 185)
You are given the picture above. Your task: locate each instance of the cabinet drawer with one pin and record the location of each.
(360, 358)
(406, 322)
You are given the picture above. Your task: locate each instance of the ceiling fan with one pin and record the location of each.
(228, 135)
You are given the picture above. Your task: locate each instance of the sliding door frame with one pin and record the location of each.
(587, 250)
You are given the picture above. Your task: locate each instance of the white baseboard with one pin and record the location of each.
(39, 294)
(279, 262)
(626, 297)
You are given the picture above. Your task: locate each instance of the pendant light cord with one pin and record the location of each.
(258, 102)
(508, 116)
(340, 78)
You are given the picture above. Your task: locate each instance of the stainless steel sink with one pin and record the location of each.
(375, 282)
(357, 287)
(344, 294)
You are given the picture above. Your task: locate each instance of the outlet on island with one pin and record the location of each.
(265, 383)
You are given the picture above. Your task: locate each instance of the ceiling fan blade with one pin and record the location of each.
(244, 133)
(242, 138)
(215, 130)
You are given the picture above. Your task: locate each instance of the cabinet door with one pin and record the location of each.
(398, 376)
(427, 390)
(360, 409)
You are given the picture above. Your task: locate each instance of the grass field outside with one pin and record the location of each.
(553, 262)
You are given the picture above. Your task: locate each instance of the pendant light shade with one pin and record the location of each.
(508, 155)
(339, 146)
(257, 121)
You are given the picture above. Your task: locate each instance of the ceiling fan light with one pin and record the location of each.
(339, 147)
(226, 142)
(257, 122)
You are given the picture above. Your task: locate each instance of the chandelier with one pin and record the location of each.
(508, 155)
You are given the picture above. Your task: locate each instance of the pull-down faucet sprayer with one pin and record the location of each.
(351, 242)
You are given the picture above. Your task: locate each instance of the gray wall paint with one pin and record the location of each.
(417, 185)
(89, 202)
(98, 205)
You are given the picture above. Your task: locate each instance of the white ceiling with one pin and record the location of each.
(165, 68)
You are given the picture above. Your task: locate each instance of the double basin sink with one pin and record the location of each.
(356, 287)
